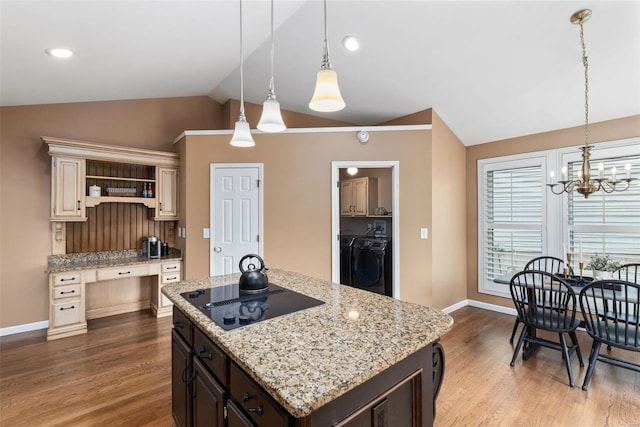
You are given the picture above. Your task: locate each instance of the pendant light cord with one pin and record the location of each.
(585, 62)
(272, 89)
(241, 68)
(326, 64)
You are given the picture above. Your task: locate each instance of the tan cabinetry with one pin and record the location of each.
(167, 194)
(358, 196)
(170, 272)
(123, 175)
(66, 310)
(67, 189)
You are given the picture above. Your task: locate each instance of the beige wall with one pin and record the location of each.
(297, 198)
(449, 229)
(25, 171)
(598, 132)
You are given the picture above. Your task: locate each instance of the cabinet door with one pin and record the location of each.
(360, 196)
(67, 189)
(208, 398)
(346, 198)
(167, 193)
(181, 357)
(235, 417)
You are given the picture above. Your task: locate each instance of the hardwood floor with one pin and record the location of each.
(119, 375)
(481, 389)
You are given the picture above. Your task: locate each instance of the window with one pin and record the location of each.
(511, 215)
(519, 218)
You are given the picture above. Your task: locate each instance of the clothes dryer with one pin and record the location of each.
(372, 265)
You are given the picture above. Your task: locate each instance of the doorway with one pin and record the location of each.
(378, 220)
(236, 215)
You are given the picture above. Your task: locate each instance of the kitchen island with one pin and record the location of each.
(358, 359)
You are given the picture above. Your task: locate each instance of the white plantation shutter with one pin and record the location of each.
(511, 212)
(607, 223)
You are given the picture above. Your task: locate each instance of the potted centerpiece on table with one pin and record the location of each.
(603, 267)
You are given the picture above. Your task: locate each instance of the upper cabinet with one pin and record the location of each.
(86, 174)
(358, 196)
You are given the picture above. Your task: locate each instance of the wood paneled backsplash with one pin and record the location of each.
(116, 226)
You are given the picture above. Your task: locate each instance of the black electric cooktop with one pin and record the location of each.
(231, 308)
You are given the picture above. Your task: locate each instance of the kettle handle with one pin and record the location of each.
(242, 270)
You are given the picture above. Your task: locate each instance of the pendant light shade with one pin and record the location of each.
(242, 133)
(326, 96)
(271, 119)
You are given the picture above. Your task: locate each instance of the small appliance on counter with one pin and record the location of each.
(164, 249)
(151, 247)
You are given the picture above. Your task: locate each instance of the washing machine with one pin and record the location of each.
(346, 250)
(372, 265)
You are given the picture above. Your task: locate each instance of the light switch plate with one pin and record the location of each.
(424, 233)
(205, 233)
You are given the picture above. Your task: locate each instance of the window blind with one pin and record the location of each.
(513, 218)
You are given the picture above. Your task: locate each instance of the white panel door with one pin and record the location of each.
(235, 215)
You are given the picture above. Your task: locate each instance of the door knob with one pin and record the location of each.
(217, 249)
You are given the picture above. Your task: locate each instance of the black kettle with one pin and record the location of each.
(253, 279)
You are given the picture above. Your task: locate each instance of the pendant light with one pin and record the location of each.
(326, 97)
(242, 133)
(271, 119)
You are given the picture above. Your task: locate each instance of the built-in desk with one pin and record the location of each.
(69, 275)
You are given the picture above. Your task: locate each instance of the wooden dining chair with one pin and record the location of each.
(629, 273)
(545, 302)
(611, 312)
(542, 263)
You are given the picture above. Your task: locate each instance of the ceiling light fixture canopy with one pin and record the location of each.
(271, 119)
(242, 133)
(59, 52)
(326, 96)
(585, 184)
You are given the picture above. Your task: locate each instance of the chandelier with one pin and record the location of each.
(585, 184)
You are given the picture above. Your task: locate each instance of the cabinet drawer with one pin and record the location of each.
(66, 313)
(169, 267)
(211, 355)
(66, 291)
(260, 407)
(66, 278)
(170, 278)
(183, 325)
(122, 272)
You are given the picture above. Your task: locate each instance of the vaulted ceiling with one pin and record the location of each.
(491, 69)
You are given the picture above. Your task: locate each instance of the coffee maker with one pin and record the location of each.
(151, 247)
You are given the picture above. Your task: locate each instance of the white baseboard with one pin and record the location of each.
(480, 304)
(24, 328)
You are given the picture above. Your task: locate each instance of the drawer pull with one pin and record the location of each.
(67, 280)
(246, 396)
(126, 272)
(178, 324)
(208, 356)
(172, 278)
(173, 267)
(257, 410)
(73, 291)
(67, 308)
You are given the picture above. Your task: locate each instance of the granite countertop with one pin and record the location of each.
(93, 260)
(311, 357)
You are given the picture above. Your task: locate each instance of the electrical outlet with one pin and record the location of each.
(424, 233)
(369, 227)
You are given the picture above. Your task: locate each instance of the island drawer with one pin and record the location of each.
(211, 355)
(122, 272)
(66, 313)
(260, 407)
(66, 291)
(66, 278)
(183, 325)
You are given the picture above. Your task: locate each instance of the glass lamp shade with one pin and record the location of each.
(327, 97)
(242, 134)
(271, 119)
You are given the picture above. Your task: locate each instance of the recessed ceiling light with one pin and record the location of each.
(59, 52)
(351, 43)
